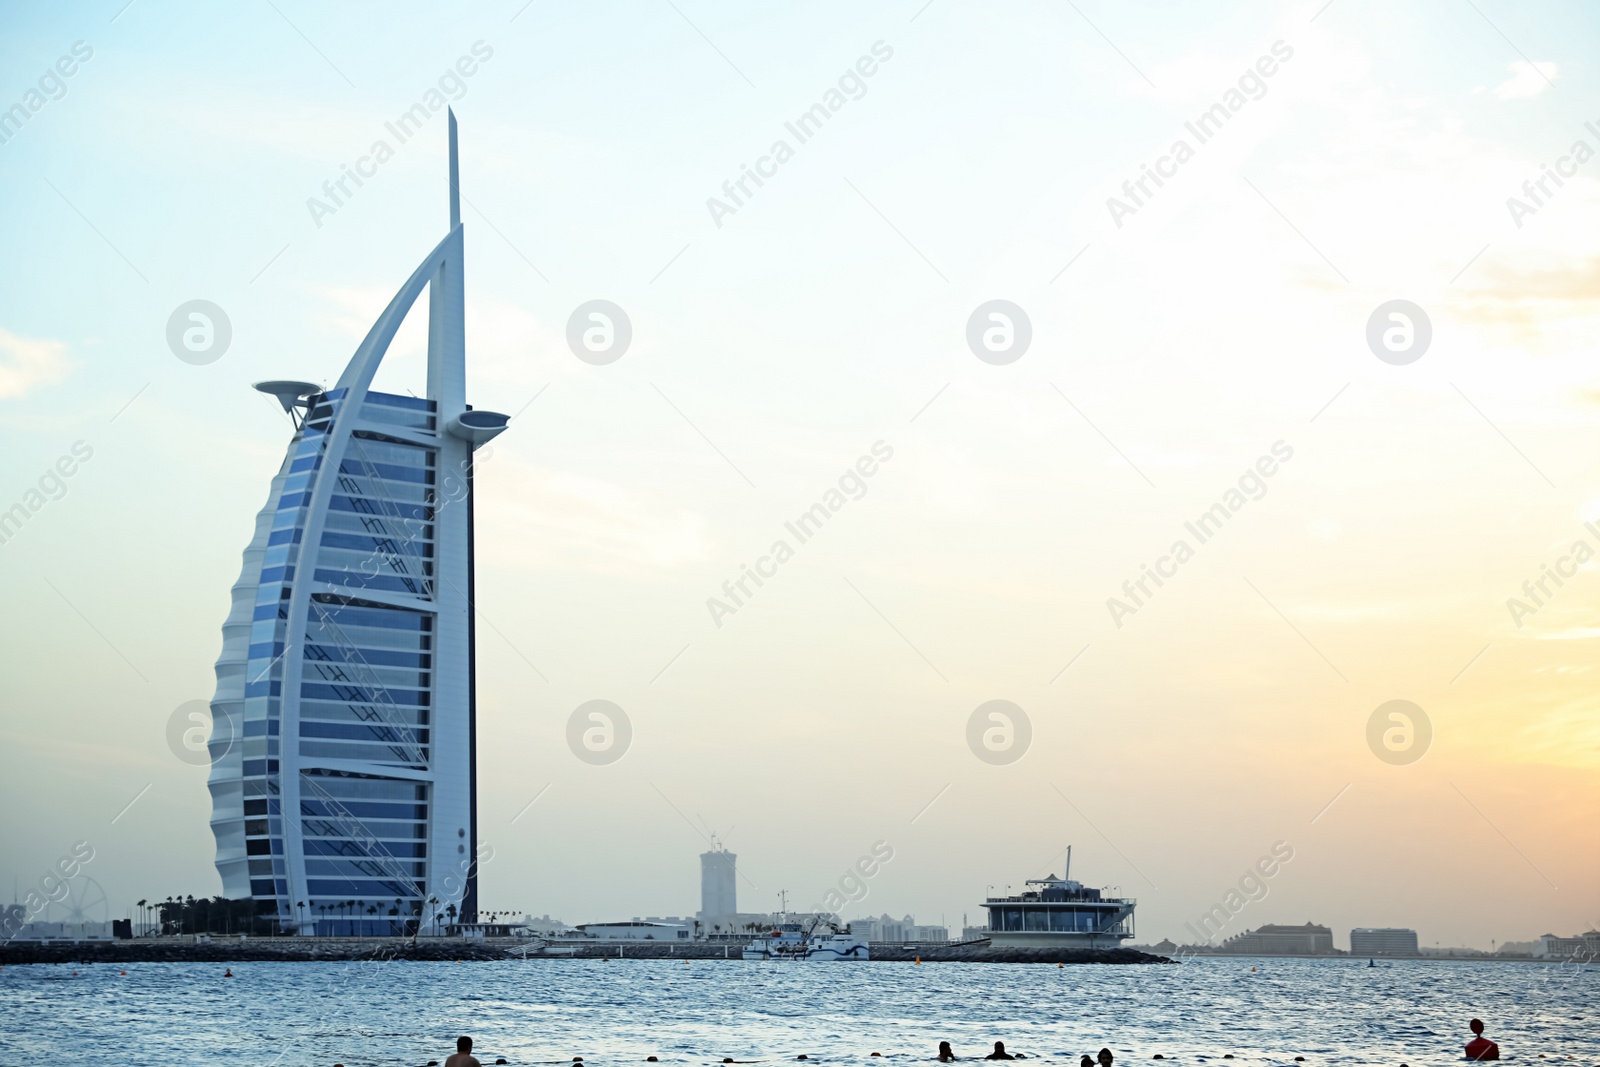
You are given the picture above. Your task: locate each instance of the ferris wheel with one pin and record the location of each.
(85, 902)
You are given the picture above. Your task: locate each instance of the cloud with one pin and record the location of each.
(26, 362)
(1581, 633)
(1527, 79)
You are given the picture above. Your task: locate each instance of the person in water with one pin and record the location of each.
(999, 1052)
(1104, 1057)
(463, 1056)
(1480, 1047)
(1086, 1062)
(946, 1053)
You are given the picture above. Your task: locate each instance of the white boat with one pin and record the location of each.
(791, 941)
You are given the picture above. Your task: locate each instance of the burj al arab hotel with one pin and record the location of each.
(343, 770)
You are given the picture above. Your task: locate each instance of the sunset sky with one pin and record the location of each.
(1222, 321)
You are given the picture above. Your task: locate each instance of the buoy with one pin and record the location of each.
(1060, 965)
(919, 960)
(124, 972)
(1252, 970)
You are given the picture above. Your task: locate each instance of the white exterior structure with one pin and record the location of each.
(1585, 947)
(1060, 912)
(343, 766)
(637, 930)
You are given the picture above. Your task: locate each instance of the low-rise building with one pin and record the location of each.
(1274, 940)
(1383, 941)
(887, 930)
(1583, 947)
(636, 930)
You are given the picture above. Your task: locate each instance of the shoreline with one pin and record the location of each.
(334, 950)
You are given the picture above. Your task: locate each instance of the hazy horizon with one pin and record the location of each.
(1184, 340)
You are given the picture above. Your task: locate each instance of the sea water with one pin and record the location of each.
(1264, 1012)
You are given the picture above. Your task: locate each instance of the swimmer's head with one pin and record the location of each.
(463, 1044)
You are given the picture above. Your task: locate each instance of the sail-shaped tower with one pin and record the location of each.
(343, 776)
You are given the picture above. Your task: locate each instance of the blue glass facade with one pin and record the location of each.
(365, 692)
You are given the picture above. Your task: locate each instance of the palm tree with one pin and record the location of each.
(144, 921)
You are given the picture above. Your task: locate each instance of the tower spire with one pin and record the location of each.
(455, 174)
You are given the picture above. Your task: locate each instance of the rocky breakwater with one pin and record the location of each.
(985, 952)
(336, 949)
(238, 950)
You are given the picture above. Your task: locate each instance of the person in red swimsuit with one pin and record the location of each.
(1481, 1048)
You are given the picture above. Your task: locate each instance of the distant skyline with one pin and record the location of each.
(1376, 645)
